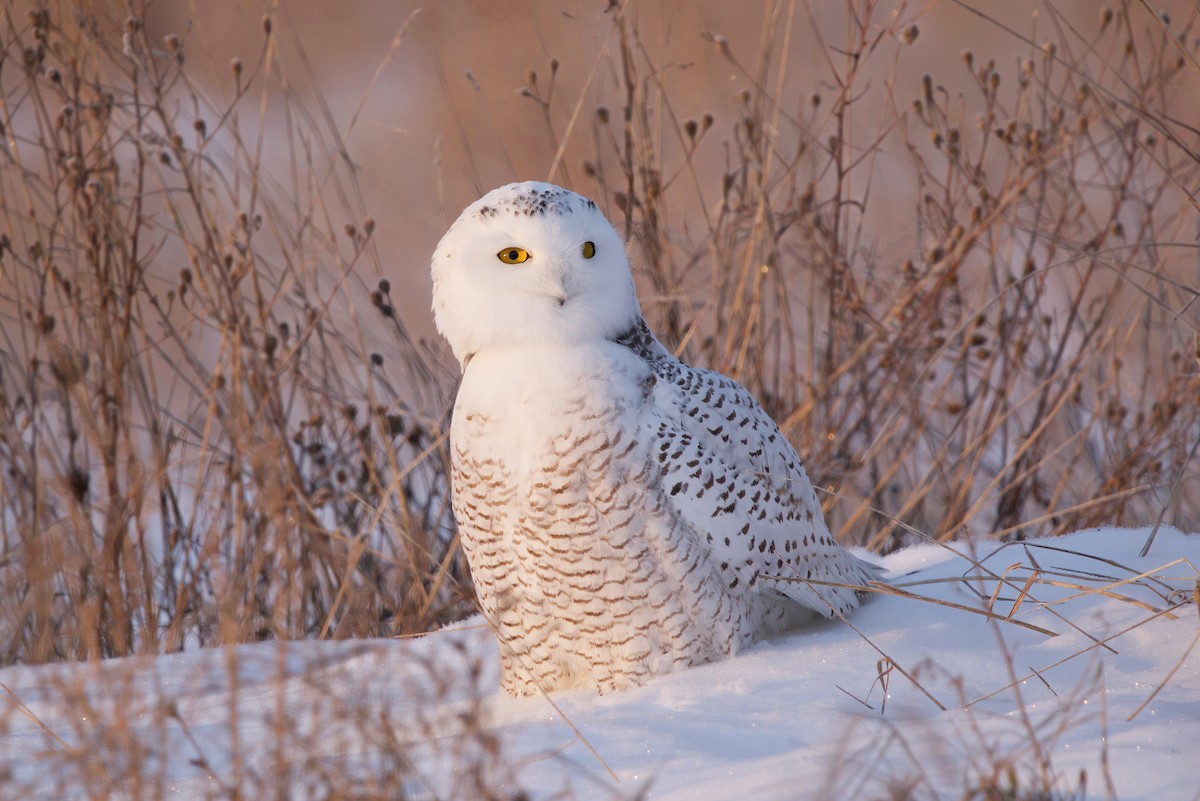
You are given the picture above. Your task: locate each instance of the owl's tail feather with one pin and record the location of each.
(846, 587)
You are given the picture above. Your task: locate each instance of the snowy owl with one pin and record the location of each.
(623, 514)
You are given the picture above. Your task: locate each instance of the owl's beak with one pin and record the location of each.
(559, 285)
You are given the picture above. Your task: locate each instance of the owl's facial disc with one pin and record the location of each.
(561, 282)
(531, 264)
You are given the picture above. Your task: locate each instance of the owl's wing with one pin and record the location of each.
(729, 472)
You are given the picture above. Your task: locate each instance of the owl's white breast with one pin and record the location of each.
(575, 556)
(533, 397)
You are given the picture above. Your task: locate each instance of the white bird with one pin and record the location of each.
(623, 514)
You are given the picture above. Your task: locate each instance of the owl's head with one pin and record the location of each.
(531, 264)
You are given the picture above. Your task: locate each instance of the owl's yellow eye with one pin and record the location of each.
(589, 249)
(513, 255)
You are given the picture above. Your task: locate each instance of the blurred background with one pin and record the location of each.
(437, 103)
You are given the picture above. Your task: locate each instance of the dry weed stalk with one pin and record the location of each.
(196, 446)
(1028, 369)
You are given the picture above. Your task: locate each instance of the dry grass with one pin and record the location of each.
(196, 448)
(1033, 581)
(204, 438)
(1025, 372)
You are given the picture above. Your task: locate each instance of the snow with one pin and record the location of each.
(1112, 696)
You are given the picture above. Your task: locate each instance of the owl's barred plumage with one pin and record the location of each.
(623, 513)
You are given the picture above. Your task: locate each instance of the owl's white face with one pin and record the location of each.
(531, 264)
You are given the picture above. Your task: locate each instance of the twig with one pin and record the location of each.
(27, 712)
(1166, 679)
